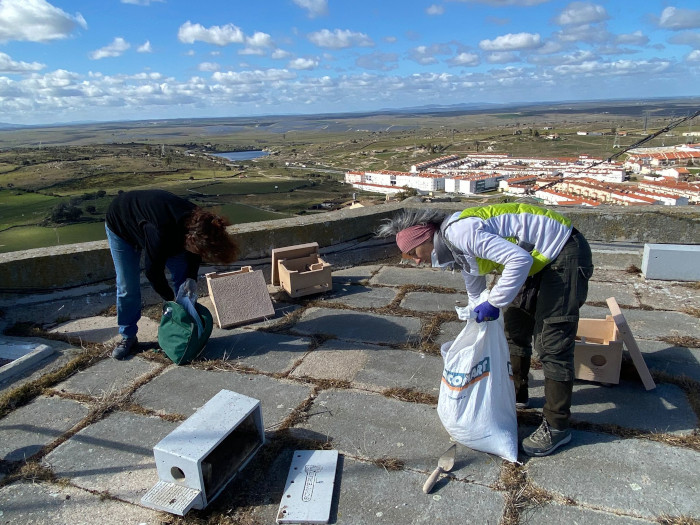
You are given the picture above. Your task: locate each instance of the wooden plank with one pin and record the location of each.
(631, 344)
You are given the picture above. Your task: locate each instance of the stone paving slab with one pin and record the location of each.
(339, 360)
(624, 293)
(399, 276)
(433, 302)
(553, 513)
(107, 377)
(669, 295)
(113, 455)
(359, 326)
(650, 324)
(372, 496)
(674, 360)
(634, 476)
(29, 428)
(354, 275)
(357, 296)
(449, 331)
(629, 405)
(182, 390)
(266, 352)
(104, 329)
(53, 504)
(389, 368)
(373, 426)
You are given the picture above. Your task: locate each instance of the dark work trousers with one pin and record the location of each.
(553, 317)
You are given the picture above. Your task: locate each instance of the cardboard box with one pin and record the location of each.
(300, 271)
(598, 352)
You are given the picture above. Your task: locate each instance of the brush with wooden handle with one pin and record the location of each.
(445, 464)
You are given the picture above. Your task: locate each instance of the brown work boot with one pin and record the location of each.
(521, 369)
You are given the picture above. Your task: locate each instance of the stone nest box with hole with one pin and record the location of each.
(200, 457)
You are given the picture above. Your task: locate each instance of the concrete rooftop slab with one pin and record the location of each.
(113, 455)
(372, 426)
(634, 476)
(359, 326)
(664, 409)
(52, 504)
(357, 296)
(266, 352)
(29, 428)
(433, 302)
(107, 377)
(182, 390)
(104, 329)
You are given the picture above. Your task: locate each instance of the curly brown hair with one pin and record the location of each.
(206, 235)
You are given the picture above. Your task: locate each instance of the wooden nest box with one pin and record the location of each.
(598, 352)
(300, 271)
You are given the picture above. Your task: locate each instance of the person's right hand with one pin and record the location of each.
(486, 312)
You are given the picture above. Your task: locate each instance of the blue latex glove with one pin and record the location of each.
(486, 312)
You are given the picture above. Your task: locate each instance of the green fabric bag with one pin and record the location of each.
(177, 334)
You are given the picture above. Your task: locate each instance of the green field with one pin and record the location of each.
(41, 168)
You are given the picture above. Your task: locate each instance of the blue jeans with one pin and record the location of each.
(127, 265)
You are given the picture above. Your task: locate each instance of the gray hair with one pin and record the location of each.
(407, 218)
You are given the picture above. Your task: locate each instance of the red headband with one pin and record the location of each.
(414, 236)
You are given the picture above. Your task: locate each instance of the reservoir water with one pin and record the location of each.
(242, 155)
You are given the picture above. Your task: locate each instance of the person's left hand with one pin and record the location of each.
(486, 312)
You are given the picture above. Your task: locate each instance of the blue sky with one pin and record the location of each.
(77, 60)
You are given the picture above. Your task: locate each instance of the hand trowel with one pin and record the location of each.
(445, 464)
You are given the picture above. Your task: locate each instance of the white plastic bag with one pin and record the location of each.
(477, 398)
(187, 297)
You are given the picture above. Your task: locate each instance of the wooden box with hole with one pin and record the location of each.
(598, 352)
(300, 271)
(200, 457)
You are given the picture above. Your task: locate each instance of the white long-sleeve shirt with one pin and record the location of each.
(483, 241)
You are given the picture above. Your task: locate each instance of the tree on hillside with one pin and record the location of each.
(64, 213)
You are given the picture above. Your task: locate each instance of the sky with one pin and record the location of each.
(105, 60)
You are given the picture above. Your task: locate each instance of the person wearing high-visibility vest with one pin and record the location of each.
(545, 265)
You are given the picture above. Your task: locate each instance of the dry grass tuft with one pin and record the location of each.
(410, 395)
(665, 519)
(325, 384)
(520, 493)
(32, 471)
(691, 310)
(632, 268)
(681, 340)
(389, 464)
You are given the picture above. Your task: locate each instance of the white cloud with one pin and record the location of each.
(464, 59)
(377, 61)
(145, 47)
(676, 19)
(36, 21)
(636, 39)
(577, 57)
(426, 55)
(280, 54)
(512, 42)
(208, 66)
(7, 65)
(583, 33)
(314, 8)
(501, 57)
(435, 10)
(577, 13)
(115, 49)
(259, 39)
(190, 33)
(303, 63)
(616, 68)
(693, 56)
(339, 39)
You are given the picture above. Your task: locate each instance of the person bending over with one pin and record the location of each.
(172, 233)
(545, 266)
